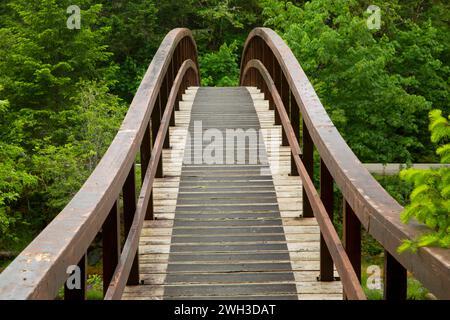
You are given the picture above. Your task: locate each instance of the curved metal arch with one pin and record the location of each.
(130, 247)
(352, 287)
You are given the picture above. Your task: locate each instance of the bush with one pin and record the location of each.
(430, 199)
(220, 68)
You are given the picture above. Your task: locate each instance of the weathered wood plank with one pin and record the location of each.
(229, 231)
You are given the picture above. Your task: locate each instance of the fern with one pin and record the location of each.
(430, 199)
(444, 153)
(439, 127)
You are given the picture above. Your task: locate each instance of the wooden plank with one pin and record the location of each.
(352, 286)
(223, 235)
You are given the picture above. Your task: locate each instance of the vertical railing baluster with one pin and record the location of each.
(252, 56)
(308, 161)
(179, 57)
(156, 120)
(277, 118)
(173, 74)
(165, 90)
(278, 86)
(177, 104)
(395, 278)
(277, 76)
(249, 57)
(352, 238)
(129, 210)
(285, 93)
(78, 293)
(263, 54)
(145, 150)
(262, 86)
(172, 79)
(274, 62)
(295, 121)
(268, 60)
(326, 195)
(182, 51)
(111, 245)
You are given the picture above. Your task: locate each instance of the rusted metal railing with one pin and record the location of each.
(40, 270)
(269, 64)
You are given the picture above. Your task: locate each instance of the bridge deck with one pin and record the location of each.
(228, 229)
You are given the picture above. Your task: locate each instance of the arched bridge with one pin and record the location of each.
(208, 193)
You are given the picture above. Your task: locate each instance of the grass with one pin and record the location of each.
(94, 290)
(94, 287)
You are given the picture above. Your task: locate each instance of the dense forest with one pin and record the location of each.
(64, 92)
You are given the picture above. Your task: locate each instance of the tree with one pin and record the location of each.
(133, 39)
(43, 59)
(372, 82)
(57, 116)
(220, 68)
(15, 181)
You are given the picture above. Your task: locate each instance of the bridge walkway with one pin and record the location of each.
(228, 221)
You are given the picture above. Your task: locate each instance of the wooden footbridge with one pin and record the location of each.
(225, 206)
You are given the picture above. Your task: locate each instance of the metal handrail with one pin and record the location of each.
(40, 269)
(374, 208)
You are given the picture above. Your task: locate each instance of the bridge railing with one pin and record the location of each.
(270, 65)
(41, 269)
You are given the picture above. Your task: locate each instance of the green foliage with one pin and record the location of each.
(42, 59)
(377, 86)
(415, 290)
(94, 287)
(400, 191)
(225, 21)
(133, 39)
(62, 90)
(220, 68)
(430, 199)
(57, 116)
(440, 132)
(15, 183)
(396, 187)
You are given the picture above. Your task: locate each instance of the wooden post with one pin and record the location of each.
(352, 238)
(172, 118)
(295, 121)
(174, 74)
(395, 278)
(111, 245)
(146, 147)
(78, 294)
(285, 95)
(326, 195)
(165, 91)
(308, 161)
(129, 210)
(277, 76)
(252, 72)
(156, 120)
